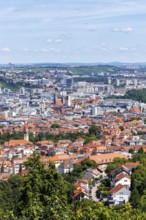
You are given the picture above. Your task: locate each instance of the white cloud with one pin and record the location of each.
(25, 49)
(44, 50)
(59, 40)
(49, 40)
(52, 49)
(124, 48)
(132, 48)
(105, 47)
(40, 50)
(125, 30)
(57, 50)
(5, 49)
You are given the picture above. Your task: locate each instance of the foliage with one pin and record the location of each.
(41, 194)
(44, 194)
(90, 138)
(65, 136)
(10, 192)
(6, 83)
(79, 168)
(88, 70)
(31, 137)
(94, 130)
(139, 157)
(97, 211)
(121, 128)
(143, 201)
(138, 95)
(114, 164)
(87, 163)
(140, 151)
(9, 136)
(138, 186)
(138, 180)
(104, 187)
(55, 126)
(53, 137)
(131, 151)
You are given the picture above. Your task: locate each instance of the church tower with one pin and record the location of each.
(26, 133)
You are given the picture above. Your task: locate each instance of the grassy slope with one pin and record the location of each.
(93, 69)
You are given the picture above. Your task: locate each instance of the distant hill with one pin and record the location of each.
(94, 69)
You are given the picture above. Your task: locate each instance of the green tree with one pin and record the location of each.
(94, 130)
(142, 201)
(10, 193)
(121, 128)
(55, 126)
(140, 151)
(87, 163)
(44, 192)
(131, 150)
(97, 211)
(139, 157)
(117, 161)
(138, 186)
(135, 198)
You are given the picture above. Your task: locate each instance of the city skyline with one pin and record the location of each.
(64, 31)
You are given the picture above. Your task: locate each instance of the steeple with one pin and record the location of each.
(26, 133)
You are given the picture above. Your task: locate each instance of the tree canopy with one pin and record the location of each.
(43, 193)
(55, 126)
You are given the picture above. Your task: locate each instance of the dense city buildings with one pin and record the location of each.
(66, 120)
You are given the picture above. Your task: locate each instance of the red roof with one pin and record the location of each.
(79, 161)
(132, 164)
(77, 192)
(121, 176)
(136, 110)
(17, 142)
(116, 188)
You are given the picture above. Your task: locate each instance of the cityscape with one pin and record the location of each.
(72, 110)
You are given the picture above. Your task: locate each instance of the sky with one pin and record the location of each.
(65, 31)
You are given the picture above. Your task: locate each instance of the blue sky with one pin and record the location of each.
(63, 31)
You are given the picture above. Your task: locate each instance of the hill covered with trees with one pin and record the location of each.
(135, 94)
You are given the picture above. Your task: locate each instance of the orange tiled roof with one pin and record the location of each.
(106, 158)
(6, 162)
(79, 161)
(119, 120)
(16, 142)
(59, 157)
(121, 176)
(129, 164)
(116, 188)
(77, 192)
(95, 171)
(45, 142)
(136, 110)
